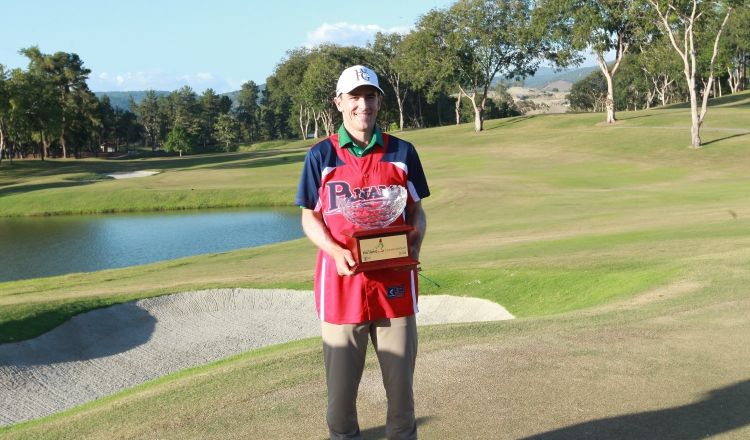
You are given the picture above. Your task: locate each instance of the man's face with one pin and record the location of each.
(359, 108)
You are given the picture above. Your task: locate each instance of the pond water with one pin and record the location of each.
(34, 247)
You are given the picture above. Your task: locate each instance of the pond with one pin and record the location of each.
(34, 247)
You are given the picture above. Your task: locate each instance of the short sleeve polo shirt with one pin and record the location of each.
(345, 141)
(330, 172)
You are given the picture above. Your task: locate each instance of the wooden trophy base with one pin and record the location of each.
(380, 248)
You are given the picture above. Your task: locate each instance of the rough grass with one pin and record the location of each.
(626, 252)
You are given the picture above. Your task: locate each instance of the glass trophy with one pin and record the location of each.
(374, 243)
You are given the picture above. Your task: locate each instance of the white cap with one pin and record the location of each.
(354, 77)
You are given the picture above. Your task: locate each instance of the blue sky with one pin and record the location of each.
(165, 44)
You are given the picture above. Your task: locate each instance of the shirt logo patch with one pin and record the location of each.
(394, 292)
(338, 189)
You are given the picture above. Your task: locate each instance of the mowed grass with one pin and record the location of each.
(255, 178)
(604, 239)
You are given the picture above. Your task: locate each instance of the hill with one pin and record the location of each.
(545, 76)
(121, 99)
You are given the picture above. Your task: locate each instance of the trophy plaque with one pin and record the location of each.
(373, 243)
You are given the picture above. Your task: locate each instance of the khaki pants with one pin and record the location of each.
(344, 348)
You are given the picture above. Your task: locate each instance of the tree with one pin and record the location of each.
(4, 110)
(431, 75)
(286, 85)
(479, 39)
(318, 87)
(661, 67)
(268, 126)
(83, 122)
(589, 94)
(601, 26)
(108, 119)
(179, 140)
(683, 21)
(248, 109)
(736, 48)
(187, 110)
(66, 73)
(389, 65)
(227, 131)
(148, 116)
(209, 111)
(127, 127)
(224, 105)
(34, 113)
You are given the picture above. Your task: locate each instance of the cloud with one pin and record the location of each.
(348, 34)
(160, 80)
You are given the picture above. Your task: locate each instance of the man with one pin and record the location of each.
(359, 161)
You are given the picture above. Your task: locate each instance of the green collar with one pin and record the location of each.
(345, 141)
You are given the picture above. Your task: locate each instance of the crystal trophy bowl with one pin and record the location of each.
(375, 212)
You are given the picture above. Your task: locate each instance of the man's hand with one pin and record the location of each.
(344, 261)
(317, 231)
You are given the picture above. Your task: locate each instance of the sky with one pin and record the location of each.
(166, 44)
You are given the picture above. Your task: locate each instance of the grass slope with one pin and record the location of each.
(626, 252)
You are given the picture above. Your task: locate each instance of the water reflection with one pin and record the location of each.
(36, 247)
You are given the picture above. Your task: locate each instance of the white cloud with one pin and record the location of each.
(348, 34)
(160, 80)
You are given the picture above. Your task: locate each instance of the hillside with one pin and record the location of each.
(121, 99)
(545, 76)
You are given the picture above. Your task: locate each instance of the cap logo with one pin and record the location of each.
(356, 76)
(362, 73)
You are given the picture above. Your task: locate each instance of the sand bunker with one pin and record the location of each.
(109, 350)
(131, 174)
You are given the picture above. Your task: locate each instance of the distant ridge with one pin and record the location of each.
(545, 76)
(121, 99)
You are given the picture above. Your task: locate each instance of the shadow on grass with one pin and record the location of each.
(635, 117)
(244, 159)
(378, 432)
(505, 122)
(262, 160)
(722, 410)
(723, 139)
(738, 100)
(30, 188)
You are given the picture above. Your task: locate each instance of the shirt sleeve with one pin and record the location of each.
(416, 178)
(309, 182)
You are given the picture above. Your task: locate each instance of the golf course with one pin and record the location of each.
(623, 253)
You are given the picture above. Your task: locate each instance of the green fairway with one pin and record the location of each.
(626, 253)
(260, 177)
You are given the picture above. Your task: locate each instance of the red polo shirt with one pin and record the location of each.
(331, 172)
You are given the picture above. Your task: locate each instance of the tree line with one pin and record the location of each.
(654, 73)
(442, 72)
